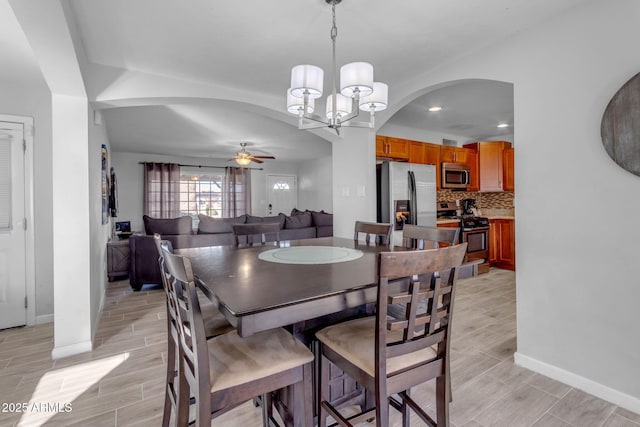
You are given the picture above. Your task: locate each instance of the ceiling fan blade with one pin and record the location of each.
(253, 159)
(263, 157)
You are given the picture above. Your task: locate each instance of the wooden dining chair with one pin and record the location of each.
(268, 231)
(381, 232)
(390, 355)
(214, 324)
(227, 370)
(423, 237)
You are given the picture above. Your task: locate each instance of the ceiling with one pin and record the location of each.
(249, 48)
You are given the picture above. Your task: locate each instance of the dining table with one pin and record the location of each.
(303, 285)
(264, 287)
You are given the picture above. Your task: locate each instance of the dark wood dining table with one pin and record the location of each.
(256, 295)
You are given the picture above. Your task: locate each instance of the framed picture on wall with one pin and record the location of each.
(105, 183)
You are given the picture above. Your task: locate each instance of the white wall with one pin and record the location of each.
(354, 180)
(315, 188)
(71, 226)
(577, 285)
(100, 233)
(580, 268)
(35, 101)
(129, 173)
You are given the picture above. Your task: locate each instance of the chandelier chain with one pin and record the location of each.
(334, 36)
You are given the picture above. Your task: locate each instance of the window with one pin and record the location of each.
(200, 193)
(281, 186)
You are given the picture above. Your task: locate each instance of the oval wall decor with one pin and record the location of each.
(620, 129)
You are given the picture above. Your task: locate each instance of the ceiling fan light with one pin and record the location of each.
(356, 76)
(343, 106)
(295, 104)
(243, 161)
(377, 100)
(307, 78)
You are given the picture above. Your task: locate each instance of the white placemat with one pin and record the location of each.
(310, 255)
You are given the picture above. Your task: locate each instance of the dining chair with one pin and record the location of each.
(381, 232)
(249, 231)
(214, 324)
(227, 370)
(389, 355)
(419, 236)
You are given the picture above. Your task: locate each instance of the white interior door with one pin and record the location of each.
(282, 194)
(12, 226)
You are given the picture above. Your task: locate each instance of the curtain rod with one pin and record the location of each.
(201, 166)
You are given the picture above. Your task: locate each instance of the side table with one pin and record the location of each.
(117, 258)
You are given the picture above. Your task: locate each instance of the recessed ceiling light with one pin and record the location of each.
(503, 125)
(435, 108)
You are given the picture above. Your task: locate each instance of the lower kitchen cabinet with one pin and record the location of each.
(502, 243)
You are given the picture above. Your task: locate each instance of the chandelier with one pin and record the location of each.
(358, 92)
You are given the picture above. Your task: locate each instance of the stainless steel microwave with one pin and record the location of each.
(455, 176)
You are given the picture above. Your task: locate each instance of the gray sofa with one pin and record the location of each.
(143, 256)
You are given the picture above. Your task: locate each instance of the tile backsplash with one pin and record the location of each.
(498, 200)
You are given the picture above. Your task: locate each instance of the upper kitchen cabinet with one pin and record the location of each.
(474, 178)
(392, 148)
(426, 154)
(451, 154)
(491, 165)
(507, 164)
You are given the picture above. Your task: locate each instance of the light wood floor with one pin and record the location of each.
(121, 382)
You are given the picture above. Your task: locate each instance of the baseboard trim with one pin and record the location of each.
(44, 318)
(609, 394)
(71, 350)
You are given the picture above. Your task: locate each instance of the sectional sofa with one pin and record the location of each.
(143, 261)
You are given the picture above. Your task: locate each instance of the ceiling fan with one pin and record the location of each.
(243, 157)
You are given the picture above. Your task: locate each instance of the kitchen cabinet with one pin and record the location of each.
(490, 164)
(502, 243)
(392, 148)
(417, 152)
(474, 178)
(450, 154)
(507, 168)
(426, 154)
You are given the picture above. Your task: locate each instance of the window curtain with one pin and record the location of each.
(162, 190)
(236, 192)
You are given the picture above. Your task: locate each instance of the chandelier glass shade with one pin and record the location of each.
(357, 91)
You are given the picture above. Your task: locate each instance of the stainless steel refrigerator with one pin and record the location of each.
(406, 195)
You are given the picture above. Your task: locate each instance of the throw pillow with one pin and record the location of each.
(321, 218)
(162, 226)
(209, 225)
(300, 220)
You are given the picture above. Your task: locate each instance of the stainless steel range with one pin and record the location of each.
(473, 229)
